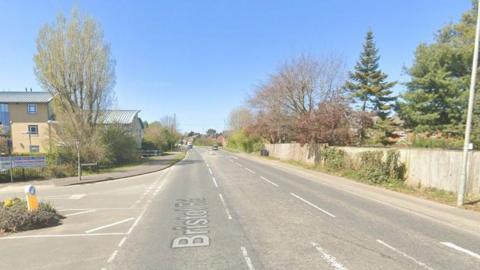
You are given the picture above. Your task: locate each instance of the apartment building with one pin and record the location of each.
(29, 118)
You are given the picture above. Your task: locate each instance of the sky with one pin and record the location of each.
(200, 59)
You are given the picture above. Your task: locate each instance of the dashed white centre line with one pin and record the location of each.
(313, 205)
(214, 182)
(225, 206)
(405, 255)
(210, 171)
(247, 258)
(250, 171)
(265, 179)
(464, 250)
(331, 260)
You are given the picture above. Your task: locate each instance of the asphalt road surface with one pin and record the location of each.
(215, 210)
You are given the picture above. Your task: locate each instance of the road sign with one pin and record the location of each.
(31, 194)
(4, 163)
(29, 162)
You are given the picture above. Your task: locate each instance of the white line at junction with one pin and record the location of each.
(59, 235)
(110, 225)
(81, 213)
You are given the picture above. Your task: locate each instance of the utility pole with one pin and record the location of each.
(468, 127)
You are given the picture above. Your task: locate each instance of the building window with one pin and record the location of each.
(34, 148)
(32, 108)
(33, 129)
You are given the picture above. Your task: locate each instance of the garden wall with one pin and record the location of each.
(424, 167)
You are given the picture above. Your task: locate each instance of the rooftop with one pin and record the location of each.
(24, 97)
(119, 116)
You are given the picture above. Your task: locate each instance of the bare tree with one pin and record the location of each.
(74, 63)
(295, 92)
(240, 118)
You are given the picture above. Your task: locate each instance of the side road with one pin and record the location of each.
(154, 165)
(451, 216)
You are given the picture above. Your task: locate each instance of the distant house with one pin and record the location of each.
(128, 119)
(29, 118)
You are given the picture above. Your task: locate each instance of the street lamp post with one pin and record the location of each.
(79, 168)
(468, 127)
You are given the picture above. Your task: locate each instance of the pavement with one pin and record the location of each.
(154, 164)
(217, 210)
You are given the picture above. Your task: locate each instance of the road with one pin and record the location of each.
(216, 210)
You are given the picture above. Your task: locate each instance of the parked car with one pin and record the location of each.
(215, 147)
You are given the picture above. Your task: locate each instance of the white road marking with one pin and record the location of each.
(269, 181)
(81, 213)
(247, 258)
(76, 196)
(215, 182)
(112, 257)
(235, 157)
(405, 255)
(225, 206)
(331, 260)
(251, 171)
(109, 225)
(145, 208)
(312, 205)
(238, 164)
(122, 241)
(59, 235)
(466, 251)
(210, 171)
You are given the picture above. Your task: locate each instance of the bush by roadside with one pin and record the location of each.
(15, 217)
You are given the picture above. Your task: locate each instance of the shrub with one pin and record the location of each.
(120, 145)
(333, 159)
(240, 140)
(375, 169)
(15, 217)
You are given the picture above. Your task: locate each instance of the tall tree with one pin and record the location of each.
(368, 84)
(73, 63)
(436, 96)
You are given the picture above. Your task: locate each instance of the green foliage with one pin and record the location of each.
(368, 84)
(436, 96)
(377, 170)
(160, 137)
(444, 143)
(15, 217)
(240, 140)
(121, 146)
(333, 159)
(204, 141)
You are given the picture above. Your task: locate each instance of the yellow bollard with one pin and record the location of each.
(31, 194)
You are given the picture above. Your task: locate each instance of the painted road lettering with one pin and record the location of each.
(194, 223)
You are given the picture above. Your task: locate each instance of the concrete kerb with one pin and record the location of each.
(109, 178)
